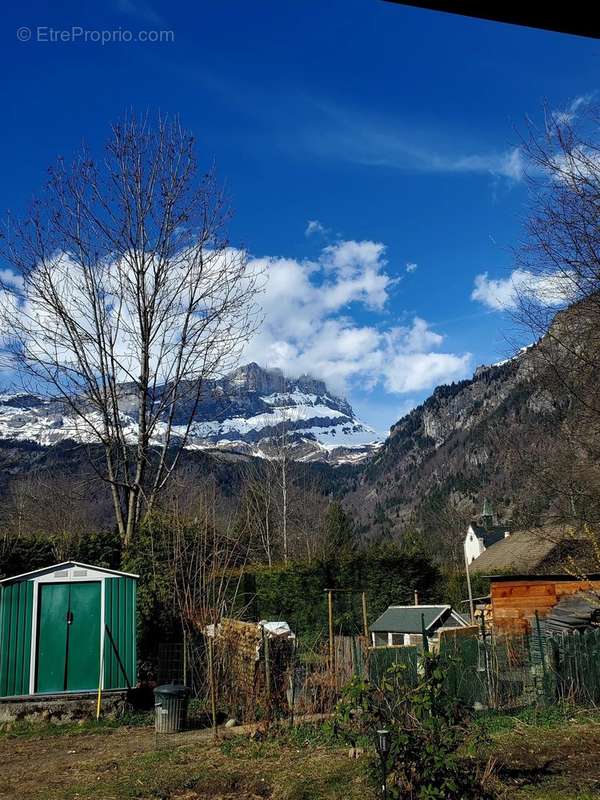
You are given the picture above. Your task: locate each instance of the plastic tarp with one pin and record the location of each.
(276, 629)
(576, 612)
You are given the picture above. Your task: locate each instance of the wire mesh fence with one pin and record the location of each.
(507, 672)
(250, 678)
(170, 659)
(575, 662)
(536, 668)
(246, 676)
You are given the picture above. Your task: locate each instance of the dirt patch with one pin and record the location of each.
(134, 763)
(533, 763)
(57, 762)
(564, 758)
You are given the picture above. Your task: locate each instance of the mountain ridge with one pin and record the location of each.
(481, 437)
(252, 410)
(458, 447)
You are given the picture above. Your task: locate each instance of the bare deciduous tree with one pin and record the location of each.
(126, 295)
(259, 517)
(279, 526)
(559, 271)
(447, 521)
(207, 561)
(559, 261)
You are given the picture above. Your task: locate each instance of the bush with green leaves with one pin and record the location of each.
(427, 731)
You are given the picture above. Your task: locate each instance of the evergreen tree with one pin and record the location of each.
(339, 530)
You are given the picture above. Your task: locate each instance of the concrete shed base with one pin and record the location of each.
(60, 708)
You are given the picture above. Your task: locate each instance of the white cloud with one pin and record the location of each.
(578, 168)
(328, 317)
(11, 279)
(313, 227)
(511, 165)
(413, 363)
(325, 317)
(411, 266)
(413, 372)
(138, 9)
(406, 407)
(567, 115)
(507, 164)
(502, 294)
(350, 257)
(375, 141)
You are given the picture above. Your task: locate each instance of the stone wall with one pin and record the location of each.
(65, 709)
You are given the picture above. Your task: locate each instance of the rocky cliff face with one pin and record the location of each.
(461, 445)
(251, 410)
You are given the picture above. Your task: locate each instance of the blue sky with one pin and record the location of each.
(394, 131)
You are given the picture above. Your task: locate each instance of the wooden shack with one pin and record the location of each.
(516, 598)
(404, 625)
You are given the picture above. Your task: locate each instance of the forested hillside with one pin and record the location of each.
(497, 435)
(515, 433)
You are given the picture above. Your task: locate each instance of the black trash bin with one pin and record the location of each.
(170, 707)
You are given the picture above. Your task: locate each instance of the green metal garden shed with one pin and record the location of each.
(68, 628)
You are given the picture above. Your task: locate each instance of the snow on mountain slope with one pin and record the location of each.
(251, 410)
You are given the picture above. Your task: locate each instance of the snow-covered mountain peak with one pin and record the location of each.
(252, 410)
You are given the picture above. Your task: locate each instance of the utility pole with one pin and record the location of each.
(284, 476)
(471, 606)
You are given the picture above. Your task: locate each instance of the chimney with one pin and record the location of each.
(416, 598)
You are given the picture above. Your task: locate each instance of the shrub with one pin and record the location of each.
(427, 731)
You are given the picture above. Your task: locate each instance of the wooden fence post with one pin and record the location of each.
(542, 655)
(364, 614)
(486, 662)
(331, 632)
(267, 672)
(211, 677)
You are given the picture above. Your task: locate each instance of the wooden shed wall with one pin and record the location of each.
(514, 603)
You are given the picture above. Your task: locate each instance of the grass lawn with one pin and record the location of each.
(546, 756)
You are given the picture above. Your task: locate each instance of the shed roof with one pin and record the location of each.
(65, 565)
(523, 551)
(408, 619)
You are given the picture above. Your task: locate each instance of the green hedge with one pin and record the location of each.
(296, 592)
(35, 551)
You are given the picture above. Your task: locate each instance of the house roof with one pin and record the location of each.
(490, 535)
(408, 619)
(65, 565)
(523, 551)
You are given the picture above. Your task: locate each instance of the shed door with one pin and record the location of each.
(68, 656)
